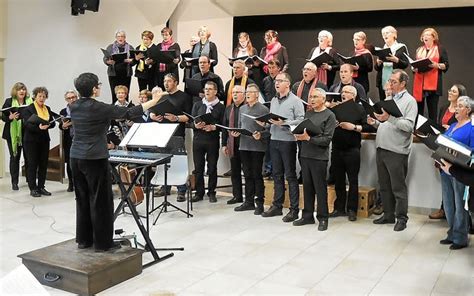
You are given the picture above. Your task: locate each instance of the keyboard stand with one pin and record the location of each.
(126, 201)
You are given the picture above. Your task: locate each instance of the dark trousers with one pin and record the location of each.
(236, 173)
(431, 99)
(158, 79)
(37, 154)
(392, 171)
(283, 155)
(314, 183)
(118, 80)
(268, 160)
(145, 83)
(202, 152)
(346, 162)
(14, 162)
(94, 202)
(252, 166)
(67, 150)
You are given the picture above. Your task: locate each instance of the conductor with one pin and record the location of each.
(89, 162)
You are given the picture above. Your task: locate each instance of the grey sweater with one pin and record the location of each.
(291, 108)
(395, 133)
(318, 146)
(248, 143)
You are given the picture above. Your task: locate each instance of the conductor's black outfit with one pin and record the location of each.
(90, 169)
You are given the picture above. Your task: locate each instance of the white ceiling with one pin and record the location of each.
(272, 7)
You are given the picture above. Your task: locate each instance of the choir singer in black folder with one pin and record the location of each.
(314, 160)
(326, 72)
(89, 162)
(345, 157)
(206, 141)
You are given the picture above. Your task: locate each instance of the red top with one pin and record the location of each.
(446, 117)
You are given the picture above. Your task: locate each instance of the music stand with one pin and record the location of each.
(144, 136)
(179, 175)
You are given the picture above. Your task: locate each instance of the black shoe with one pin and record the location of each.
(84, 245)
(455, 246)
(378, 210)
(337, 213)
(234, 200)
(70, 188)
(352, 216)
(303, 221)
(383, 220)
(300, 179)
(212, 198)
(228, 173)
(400, 225)
(291, 216)
(115, 246)
(272, 211)
(323, 225)
(35, 193)
(258, 209)
(15, 187)
(181, 197)
(245, 207)
(445, 241)
(43, 191)
(266, 174)
(197, 198)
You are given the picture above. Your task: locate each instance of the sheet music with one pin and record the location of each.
(421, 120)
(249, 116)
(21, 281)
(150, 134)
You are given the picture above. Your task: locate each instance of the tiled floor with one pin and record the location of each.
(230, 253)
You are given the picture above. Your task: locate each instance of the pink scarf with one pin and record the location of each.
(272, 49)
(358, 52)
(165, 45)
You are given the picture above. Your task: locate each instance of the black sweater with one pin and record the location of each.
(217, 112)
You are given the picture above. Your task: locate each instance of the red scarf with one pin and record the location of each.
(165, 45)
(272, 49)
(359, 52)
(299, 91)
(427, 80)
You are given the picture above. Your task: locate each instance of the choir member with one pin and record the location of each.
(345, 158)
(206, 74)
(230, 142)
(310, 81)
(67, 134)
(182, 103)
(252, 150)
(143, 97)
(203, 47)
(90, 162)
(246, 49)
(206, 141)
(36, 141)
(428, 86)
(315, 156)
(168, 44)
(269, 91)
(446, 118)
(452, 189)
(274, 50)
(397, 59)
(144, 70)
(283, 148)
(393, 142)
(326, 72)
(346, 78)
(13, 131)
(119, 73)
(239, 78)
(362, 70)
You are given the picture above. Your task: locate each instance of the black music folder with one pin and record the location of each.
(370, 107)
(161, 56)
(333, 97)
(388, 105)
(195, 86)
(382, 53)
(423, 65)
(118, 57)
(236, 129)
(307, 124)
(354, 60)
(188, 57)
(428, 126)
(164, 107)
(347, 111)
(243, 58)
(266, 118)
(36, 120)
(135, 52)
(12, 109)
(207, 118)
(452, 151)
(322, 58)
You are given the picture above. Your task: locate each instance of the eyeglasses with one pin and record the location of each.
(281, 80)
(393, 81)
(237, 92)
(209, 89)
(71, 97)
